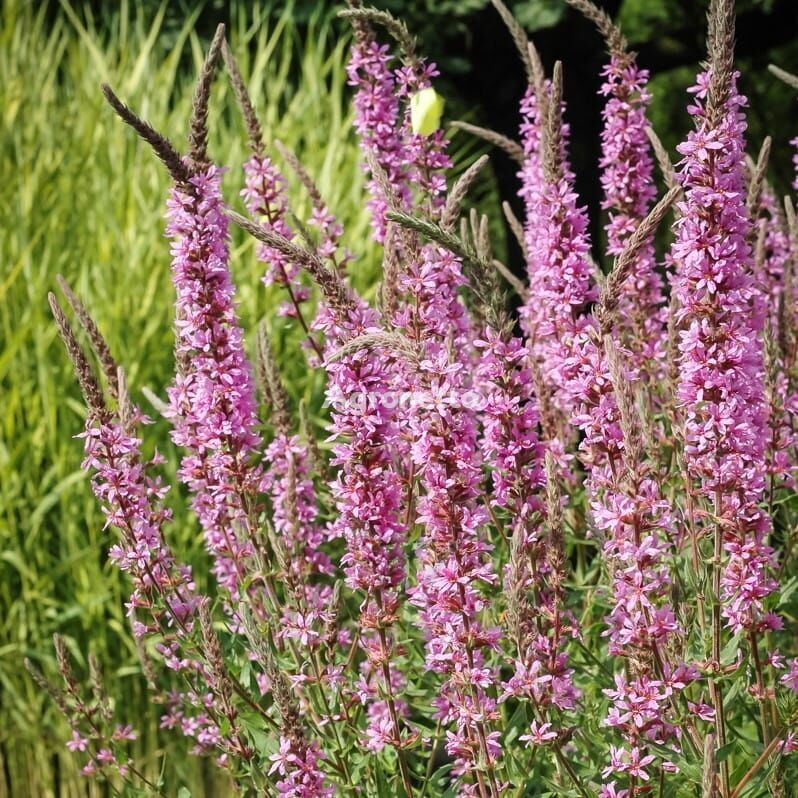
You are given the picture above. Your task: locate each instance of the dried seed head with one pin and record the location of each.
(163, 148)
(663, 159)
(394, 342)
(98, 343)
(519, 38)
(612, 289)
(519, 609)
(391, 262)
(552, 129)
(395, 28)
(378, 173)
(282, 557)
(512, 148)
(98, 690)
(198, 129)
(515, 226)
(58, 697)
(304, 177)
(538, 77)
(616, 43)
(782, 74)
(455, 197)
(336, 293)
(86, 378)
(757, 179)
(291, 722)
(631, 424)
(333, 622)
(125, 406)
(760, 250)
(516, 284)
(318, 463)
(272, 385)
(254, 131)
(147, 667)
(720, 46)
(64, 663)
(212, 652)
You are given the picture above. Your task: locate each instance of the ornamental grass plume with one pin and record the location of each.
(527, 553)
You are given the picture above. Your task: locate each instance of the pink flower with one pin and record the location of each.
(560, 278)
(124, 733)
(377, 122)
(538, 735)
(629, 189)
(703, 711)
(78, 742)
(212, 401)
(721, 383)
(297, 764)
(790, 679)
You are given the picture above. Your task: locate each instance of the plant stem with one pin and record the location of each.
(714, 687)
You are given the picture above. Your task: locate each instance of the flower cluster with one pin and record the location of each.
(627, 172)
(467, 597)
(376, 122)
(721, 383)
(212, 402)
(264, 196)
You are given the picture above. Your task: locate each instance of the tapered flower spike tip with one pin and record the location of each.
(553, 130)
(163, 148)
(290, 157)
(98, 344)
(272, 385)
(616, 43)
(624, 263)
(720, 45)
(538, 74)
(254, 130)
(198, 133)
(757, 178)
(519, 38)
(86, 379)
(396, 28)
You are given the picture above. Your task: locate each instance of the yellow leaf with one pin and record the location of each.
(426, 107)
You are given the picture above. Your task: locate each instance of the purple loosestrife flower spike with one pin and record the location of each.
(368, 492)
(721, 384)
(377, 123)
(453, 554)
(560, 282)
(288, 483)
(628, 185)
(265, 198)
(212, 403)
(627, 505)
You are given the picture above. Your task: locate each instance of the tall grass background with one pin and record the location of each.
(82, 197)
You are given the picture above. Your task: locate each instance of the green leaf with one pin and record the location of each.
(538, 14)
(725, 751)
